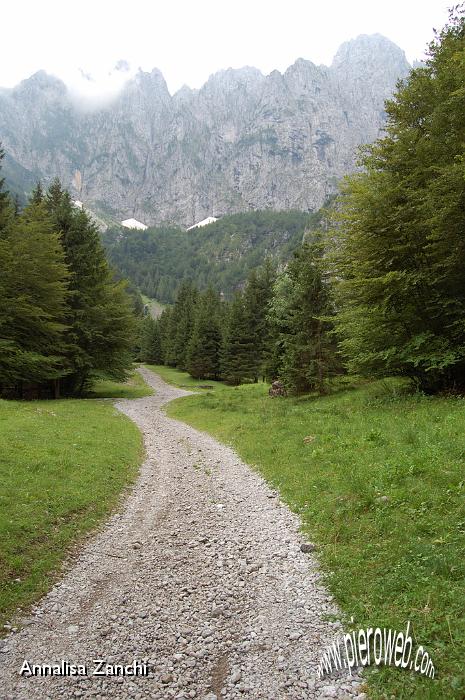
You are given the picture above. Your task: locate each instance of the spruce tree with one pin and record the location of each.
(37, 195)
(168, 336)
(183, 320)
(99, 316)
(204, 349)
(308, 349)
(33, 295)
(239, 352)
(258, 294)
(151, 342)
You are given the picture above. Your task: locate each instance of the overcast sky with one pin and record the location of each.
(82, 41)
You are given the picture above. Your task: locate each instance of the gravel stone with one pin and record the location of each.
(307, 547)
(200, 574)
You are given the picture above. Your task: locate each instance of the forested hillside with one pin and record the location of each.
(221, 254)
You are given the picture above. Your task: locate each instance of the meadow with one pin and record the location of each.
(63, 467)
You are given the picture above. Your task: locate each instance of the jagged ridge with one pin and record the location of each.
(243, 141)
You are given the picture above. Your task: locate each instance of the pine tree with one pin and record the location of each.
(37, 195)
(183, 319)
(204, 349)
(258, 294)
(99, 316)
(33, 294)
(308, 350)
(239, 352)
(151, 343)
(399, 254)
(168, 336)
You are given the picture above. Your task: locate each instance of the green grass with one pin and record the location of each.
(183, 380)
(63, 467)
(334, 459)
(134, 388)
(155, 307)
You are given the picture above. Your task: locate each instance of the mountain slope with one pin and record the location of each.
(243, 141)
(221, 254)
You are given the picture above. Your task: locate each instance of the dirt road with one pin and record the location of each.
(198, 581)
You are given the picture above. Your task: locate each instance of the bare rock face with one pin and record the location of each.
(243, 141)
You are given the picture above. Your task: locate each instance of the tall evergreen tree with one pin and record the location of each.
(258, 294)
(166, 326)
(33, 294)
(151, 343)
(204, 349)
(100, 320)
(183, 318)
(309, 353)
(399, 255)
(37, 195)
(239, 352)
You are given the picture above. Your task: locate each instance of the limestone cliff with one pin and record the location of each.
(243, 141)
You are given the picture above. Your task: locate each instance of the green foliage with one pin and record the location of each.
(399, 255)
(258, 296)
(303, 318)
(64, 321)
(37, 194)
(33, 296)
(151, 343)
(204, 348)
(168, 330)
(183, 317)
(239, 358)
(99, 314)
(278, 324)
(260, 333)
(220, 255)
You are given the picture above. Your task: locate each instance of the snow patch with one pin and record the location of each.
(133, 223)
(204, 222)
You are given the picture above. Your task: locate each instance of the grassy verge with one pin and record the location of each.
(134, 388)
(63, 466)
(184, 380)
(378, 479)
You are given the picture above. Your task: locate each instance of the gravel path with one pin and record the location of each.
(200, 575)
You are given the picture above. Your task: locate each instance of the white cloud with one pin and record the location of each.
(190, 40)
(94, 91)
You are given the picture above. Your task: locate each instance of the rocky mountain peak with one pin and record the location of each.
(243, 141)
(372, 53)
(41, 85)
(232, 79)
